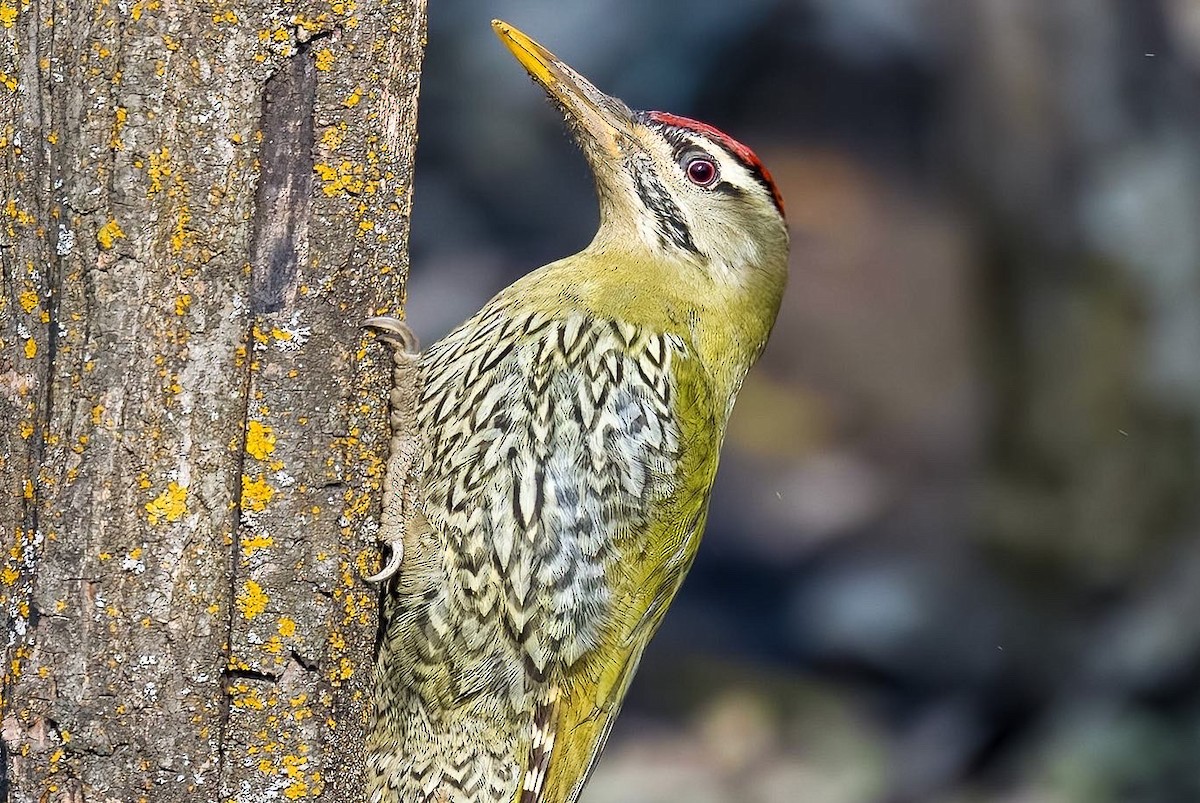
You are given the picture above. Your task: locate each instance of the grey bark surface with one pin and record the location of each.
(202, 203)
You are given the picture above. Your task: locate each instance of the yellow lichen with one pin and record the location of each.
(182, 302)
(260, 440)
(324, 59)
(344, 670)
(114, 141)
(108, 234)
(252, 600)
(246, 697)
(332, 138)
(287, 626)
(170, 505)
(180, 236)
(28, 300)
(296, 789)
(253, 543)
(160, 168)
(294, 768)
(8, 14)
(30, 349)
(353, 98)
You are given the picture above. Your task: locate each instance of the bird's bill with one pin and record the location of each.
(604, 119)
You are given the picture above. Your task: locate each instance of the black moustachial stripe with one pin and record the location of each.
(672, 228)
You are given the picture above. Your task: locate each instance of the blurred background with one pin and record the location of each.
(954, 551)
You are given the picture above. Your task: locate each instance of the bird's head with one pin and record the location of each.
(672, 187)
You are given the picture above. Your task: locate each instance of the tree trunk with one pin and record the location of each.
(202, 204)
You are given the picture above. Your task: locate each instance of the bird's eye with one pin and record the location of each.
(701, 170)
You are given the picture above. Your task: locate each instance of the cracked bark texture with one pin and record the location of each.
(201, 204)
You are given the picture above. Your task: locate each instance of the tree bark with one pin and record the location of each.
(202, 204)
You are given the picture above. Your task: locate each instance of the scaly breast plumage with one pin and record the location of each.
(550, 444)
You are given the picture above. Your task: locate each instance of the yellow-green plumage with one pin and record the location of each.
(568, 440)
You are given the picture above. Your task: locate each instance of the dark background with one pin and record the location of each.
(953, 550)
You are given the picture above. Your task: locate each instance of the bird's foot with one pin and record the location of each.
(399, 337)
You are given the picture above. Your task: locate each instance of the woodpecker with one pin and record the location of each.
(557, 477)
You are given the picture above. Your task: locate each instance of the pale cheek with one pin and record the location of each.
(729, 246)
(647, 229)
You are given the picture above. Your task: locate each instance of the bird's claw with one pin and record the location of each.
(395, 332)
(393, 563)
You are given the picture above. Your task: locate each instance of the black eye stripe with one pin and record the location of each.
(725, 188)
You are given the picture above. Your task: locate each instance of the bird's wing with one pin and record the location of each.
(583, 707)
(550, 443)
(553, 458)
